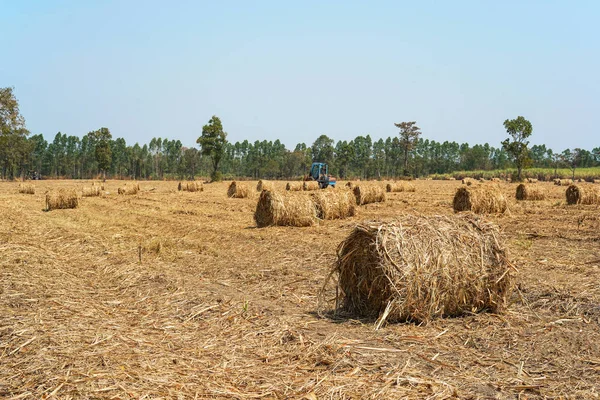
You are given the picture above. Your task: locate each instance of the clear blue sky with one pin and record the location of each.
(293, 71)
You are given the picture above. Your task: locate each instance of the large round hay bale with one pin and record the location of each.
(93, 191)
(366, 194)
(61, 199)
(418, 268)
(294, 187)
(264, 185)
(400, 187)
(480, 200)
(578, 194)
(192, 186)
(334, 204)
(237, 190)
(284, 209)
(528, 192)
(310, 185)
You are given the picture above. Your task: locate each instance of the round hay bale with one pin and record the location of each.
(26, 188)
(238, 190)
(349, 185)
(480, 200)
(596, 180)
(468, 181)
(531, 180)
(310, 185)
(61, 199)
(366, 194)
(264, 185)
(578, 194)
(93, 191)
(294, 187)
(419, 268)
(400, 187)
(288, 209)
(192, 186)
(526, 192)
(496, 180)
(334, 204)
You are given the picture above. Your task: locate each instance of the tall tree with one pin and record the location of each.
(13, 144)
(519, 130)
(103, 151)
(212, 143)
(322, 150)
(409, 135)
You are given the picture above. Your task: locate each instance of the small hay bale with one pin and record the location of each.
(497, 180)
(578, 194)
(451, 178)
(26, 188)
(284, 209)
(310, 185)
(334, 204)
(293, 187)
(419, 268)
(468, 181)
(129, 189)
(480, 200)
(527, 192)
(563, 182)
(531, 180)
(61, 199)
(191, 186)
(93, 191)
(238, 190)
(264, 185)
(368, 194)
(400, 187)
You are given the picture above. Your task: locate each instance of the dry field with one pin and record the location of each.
(168, 294)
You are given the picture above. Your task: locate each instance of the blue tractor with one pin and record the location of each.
(319, 172)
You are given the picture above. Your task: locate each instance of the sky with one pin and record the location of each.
(295, 70)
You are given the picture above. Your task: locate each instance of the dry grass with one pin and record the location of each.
(400, 187)
(580, 194)
(93, 191)
(238, 190)
(294, 187)
(284, 209)
(26, 188)
(366, 194)
(418, 268)
(264, 185)
(171, 296)
(528, 192)
(61, 199)
(480, 200)
(192, 186)
(310, 185)
(334, 204)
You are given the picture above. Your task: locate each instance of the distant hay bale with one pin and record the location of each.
(468, 181)
(129, 189)
(596, 180)
(349, 185)
(26, 188)
(366, 194)
(480, 200)
(419, 268)
(451, 178)
(527, 192)
(238, 190)
(563, 182)
(578, 194)
(334, 204)
(93, 191)
(531, 180)
(192, 186)
(400, 187)
(61, 199)
(310, 185)
(293, 187)
(284, 209)
(264, 185)
(496, 180)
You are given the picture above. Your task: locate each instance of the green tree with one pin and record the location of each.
(519, 130)
(103, 151)
(409, 135)
(322, 150)
(212, 143)
(14, 148)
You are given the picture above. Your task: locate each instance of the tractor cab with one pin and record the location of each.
(319, 172)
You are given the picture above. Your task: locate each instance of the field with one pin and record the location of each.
(168, 294)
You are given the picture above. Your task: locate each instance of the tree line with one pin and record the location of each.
(97, 153)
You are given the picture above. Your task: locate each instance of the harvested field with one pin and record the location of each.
(163, 295)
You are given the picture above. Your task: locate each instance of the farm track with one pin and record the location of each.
(220, 309)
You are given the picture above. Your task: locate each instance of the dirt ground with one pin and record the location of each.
(170, 294)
